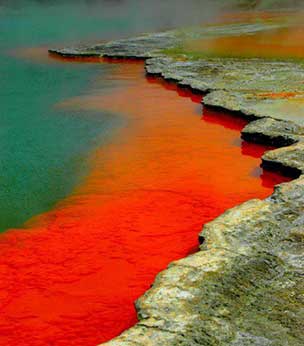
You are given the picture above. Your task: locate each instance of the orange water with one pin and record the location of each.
(70, 277)
(285, 41)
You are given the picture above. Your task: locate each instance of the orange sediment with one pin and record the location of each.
(70, 277)
(283, 40)
(281, 95)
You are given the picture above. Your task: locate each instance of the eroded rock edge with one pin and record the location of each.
(245, 285)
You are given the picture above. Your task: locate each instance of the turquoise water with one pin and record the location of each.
(43, 148)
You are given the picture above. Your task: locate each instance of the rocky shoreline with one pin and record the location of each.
(245, 285)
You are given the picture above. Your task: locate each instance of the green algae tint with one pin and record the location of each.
(71, 277)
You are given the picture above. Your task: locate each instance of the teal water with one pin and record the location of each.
(43, 148)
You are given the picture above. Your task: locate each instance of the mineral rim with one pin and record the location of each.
(245, 285)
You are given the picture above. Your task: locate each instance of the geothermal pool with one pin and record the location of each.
(70, 275)
(106, 175)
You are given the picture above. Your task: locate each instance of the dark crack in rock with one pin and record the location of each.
(278, 133)
(288, 160)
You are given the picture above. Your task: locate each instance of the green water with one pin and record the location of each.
(43, 148)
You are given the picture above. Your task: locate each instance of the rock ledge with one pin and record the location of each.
(245, 286)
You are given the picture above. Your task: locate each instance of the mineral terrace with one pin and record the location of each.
(245, 285)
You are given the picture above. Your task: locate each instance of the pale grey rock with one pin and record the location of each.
(288, 160)
(274, 132)
(142, 47)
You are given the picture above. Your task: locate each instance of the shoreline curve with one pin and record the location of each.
(244, 285)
